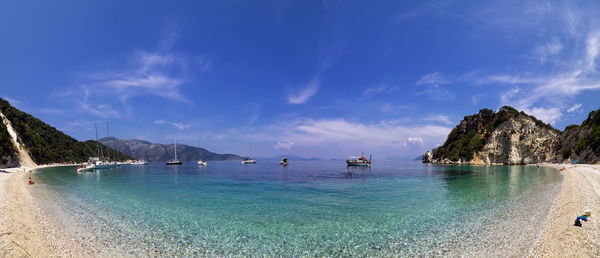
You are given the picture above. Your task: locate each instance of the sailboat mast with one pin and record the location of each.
(107, 135)
(97, 143)
(250, 147)
(175, 148)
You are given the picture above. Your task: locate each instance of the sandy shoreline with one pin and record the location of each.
(26, 231)
(580, 190)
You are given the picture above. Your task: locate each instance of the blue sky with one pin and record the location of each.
(310, 78)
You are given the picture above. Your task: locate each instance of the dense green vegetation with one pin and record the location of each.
(45, 143)
(591, 140)
(461, 146)
(7, 150)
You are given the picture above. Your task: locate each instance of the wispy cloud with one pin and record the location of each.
(283, 145)
(305, 93)
(574, 108)
(344, 135)
(147, 74)
(178, 125)
(549, 115)
(438, 118)
(548, 49)
(433, 81)
(414, 141)
(435, 78)
(101, 110)
(547, 89)
(382, 89)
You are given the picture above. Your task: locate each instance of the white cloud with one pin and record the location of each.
(548, 115)
(283, 145)
(435, 78)
(548, 49)
(102, 110)
(574, 108)
(178, 125)
(148, 74)
(307, 91)
(438, 118)
(508, 79)
(414, 140)
(546, 95)
(434, 91)
(592, 50)
(340, 134)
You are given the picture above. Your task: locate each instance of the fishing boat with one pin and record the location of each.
(175, 161)
(283, 161)
(361, 161)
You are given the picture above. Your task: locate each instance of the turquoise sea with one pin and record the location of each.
(309, 208)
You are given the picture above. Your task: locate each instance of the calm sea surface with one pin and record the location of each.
(310, 208)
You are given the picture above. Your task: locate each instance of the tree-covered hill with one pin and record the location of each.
(45, 143)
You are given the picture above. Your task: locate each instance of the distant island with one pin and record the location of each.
(512, 137)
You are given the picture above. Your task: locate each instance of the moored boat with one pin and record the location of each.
(283, 161)
(200, 162)
(361, 161)
(139, 162)
(175, 161)
(248, 161)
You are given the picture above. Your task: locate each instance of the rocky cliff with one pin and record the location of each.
(504, 137)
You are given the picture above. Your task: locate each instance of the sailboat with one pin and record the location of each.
(200, 162)
(93, 162)
(175, 161)
(249, 160)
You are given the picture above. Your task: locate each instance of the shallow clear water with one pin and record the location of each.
(308, 208)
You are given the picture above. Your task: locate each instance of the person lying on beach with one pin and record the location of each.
(30, 181)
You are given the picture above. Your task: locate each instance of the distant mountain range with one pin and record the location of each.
(152, 152)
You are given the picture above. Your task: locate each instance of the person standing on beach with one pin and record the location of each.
(30, 181)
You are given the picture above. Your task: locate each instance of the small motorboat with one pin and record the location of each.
(248, 161)
(140, 162)
(202, 162)
(283, 161)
